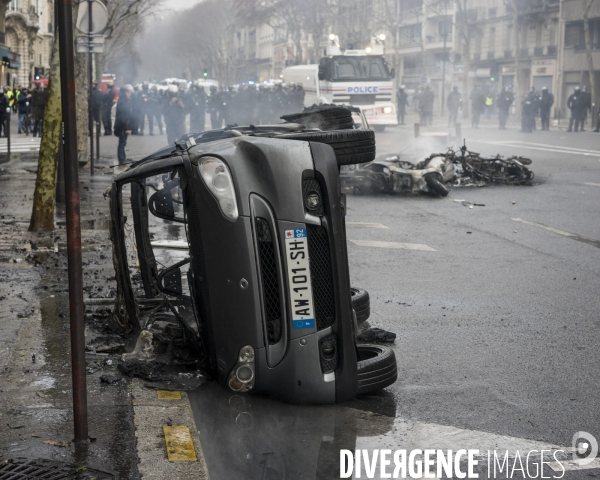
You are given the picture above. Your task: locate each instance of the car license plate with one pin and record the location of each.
(301, 298)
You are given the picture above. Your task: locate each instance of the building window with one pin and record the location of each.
(445, 28)
(13, 5)
(538, 34)
(574, 35)
(409, 35)
(492, 45)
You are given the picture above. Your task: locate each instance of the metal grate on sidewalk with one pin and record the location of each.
(34, 469)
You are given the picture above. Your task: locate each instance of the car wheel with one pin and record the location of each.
(377, 368)
(350, 146)
(323, 117)
(361, 304)
(435, 186)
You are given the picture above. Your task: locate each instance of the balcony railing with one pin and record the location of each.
(438, 38)
(409, 42)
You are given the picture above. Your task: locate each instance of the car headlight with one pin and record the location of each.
(217, 178)
(387, 109)
(242, 376)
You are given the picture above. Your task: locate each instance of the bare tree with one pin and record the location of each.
(208, 40)
(465, 30)
(300, 18)
(387, 18)
(125, 22)
(42, 215)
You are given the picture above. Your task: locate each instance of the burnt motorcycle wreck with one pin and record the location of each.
(239, 235)
(392, 175)
(433, 175)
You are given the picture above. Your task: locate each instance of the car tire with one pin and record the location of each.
(326, 111)
(435, 186)
(350, 146)
(323, 117)
(377, 368)
(361, 304)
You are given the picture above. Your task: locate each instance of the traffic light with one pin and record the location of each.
(205, 73)
(492, 79)
(38, 72)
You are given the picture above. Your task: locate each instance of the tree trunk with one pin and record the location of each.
(81, 89)
(42, 215)
(588, 52)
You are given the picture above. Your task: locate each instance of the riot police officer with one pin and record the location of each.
(196, 104)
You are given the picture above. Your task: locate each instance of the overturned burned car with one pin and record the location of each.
(266, 299)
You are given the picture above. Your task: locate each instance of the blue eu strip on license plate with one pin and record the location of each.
(298, 269)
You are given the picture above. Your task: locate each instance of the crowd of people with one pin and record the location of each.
(144, 105)
(536, 104)
(29, 105)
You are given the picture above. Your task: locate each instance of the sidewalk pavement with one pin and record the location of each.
(125, 425)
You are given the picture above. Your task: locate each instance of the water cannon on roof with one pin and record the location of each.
(376, 46)
(333, 45)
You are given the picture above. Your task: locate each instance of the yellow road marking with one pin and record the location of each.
(168, 395)
(180, 447)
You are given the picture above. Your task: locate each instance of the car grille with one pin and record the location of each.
(321, 277)
(270, 283)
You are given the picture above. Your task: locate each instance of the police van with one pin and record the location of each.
(359, 78)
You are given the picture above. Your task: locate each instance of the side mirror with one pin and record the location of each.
(321, 73)
(393, 73)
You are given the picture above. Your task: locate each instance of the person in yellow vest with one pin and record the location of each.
(17, 92)
(489, 105)
(11, 97)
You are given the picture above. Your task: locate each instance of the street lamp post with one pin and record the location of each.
(444, 54)
(90, 75)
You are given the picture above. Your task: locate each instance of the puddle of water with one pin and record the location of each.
(245, 436)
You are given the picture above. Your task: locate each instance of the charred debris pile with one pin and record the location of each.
(435, 174)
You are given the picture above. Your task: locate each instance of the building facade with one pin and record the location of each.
(29, 33)
(447, 43)
(573, 67)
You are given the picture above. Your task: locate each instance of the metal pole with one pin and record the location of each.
(8, 131)
(69, 140)
(98, 141)
(90, 109)
(60, 180)
(444, 59)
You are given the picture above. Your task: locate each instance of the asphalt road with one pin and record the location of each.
(499, 326)
(497, 320)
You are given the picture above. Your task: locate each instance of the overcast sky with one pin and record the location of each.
(179, 4)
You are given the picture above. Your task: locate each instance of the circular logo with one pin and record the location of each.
(313, 200)
(585, 448)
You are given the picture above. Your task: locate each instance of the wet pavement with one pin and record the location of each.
(497, 326)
